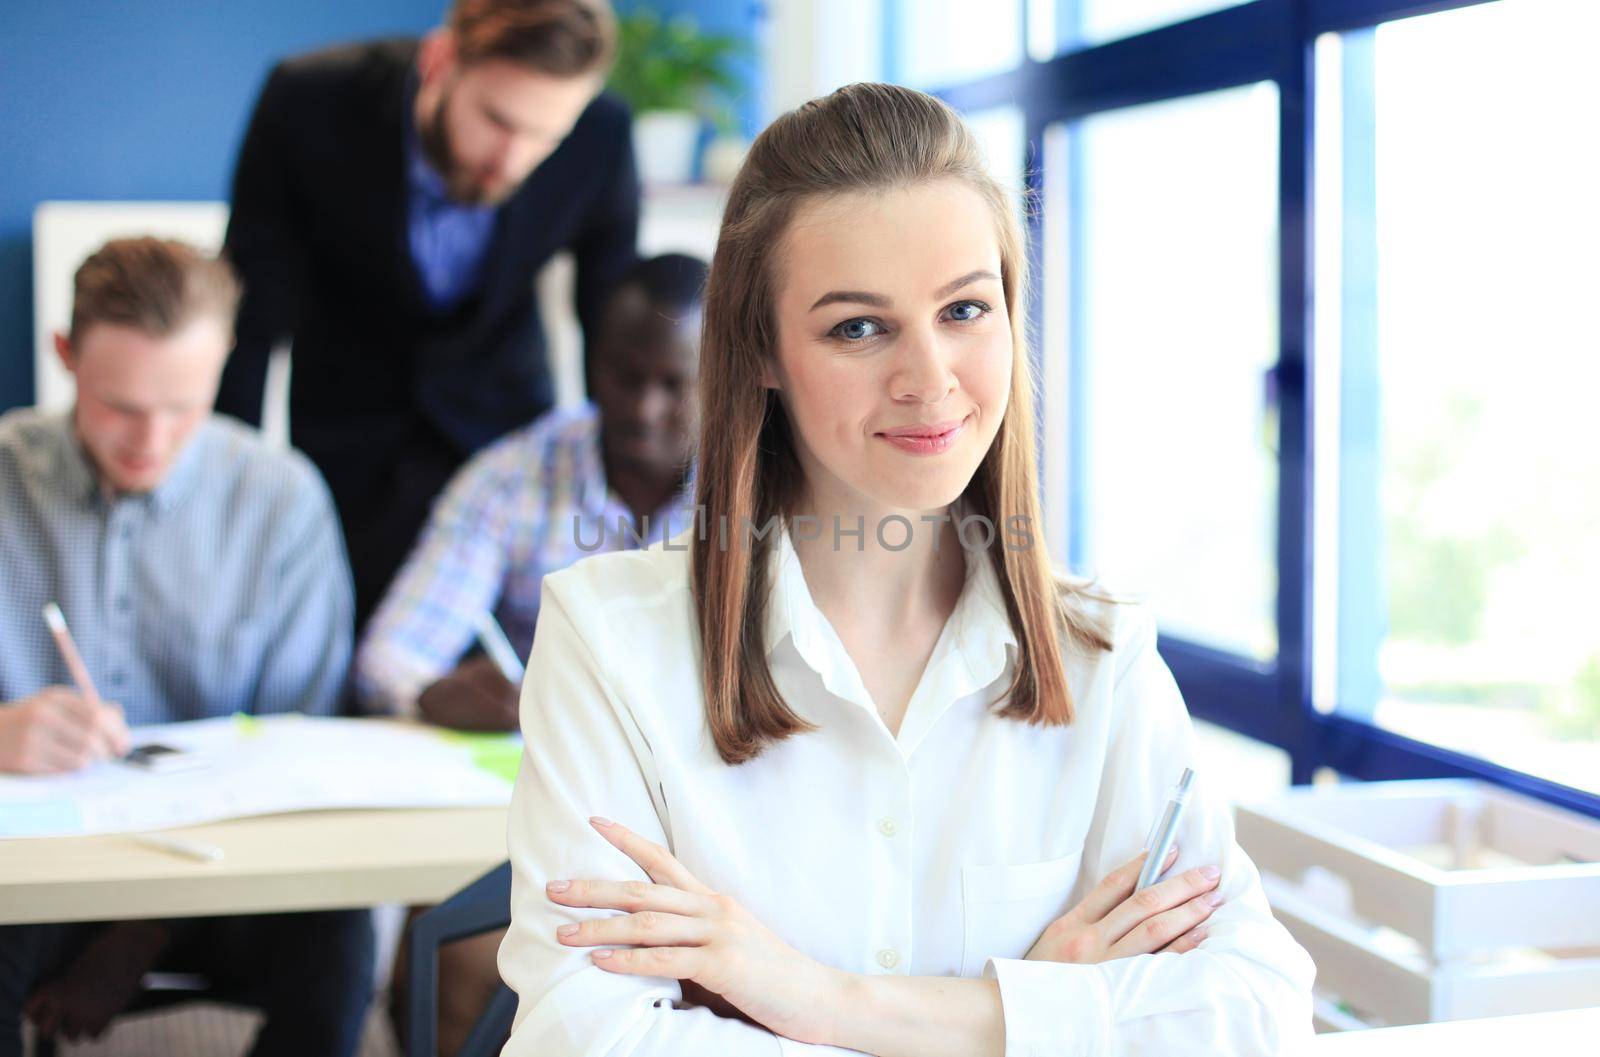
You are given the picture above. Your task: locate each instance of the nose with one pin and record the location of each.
(498, 159)
(500, 162)
(923, 369)
(145, 433)
(657, 405)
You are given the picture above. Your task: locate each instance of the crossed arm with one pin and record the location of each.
(730, 963)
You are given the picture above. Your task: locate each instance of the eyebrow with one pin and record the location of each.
(505, 120)
(493, 113)
(863, 297)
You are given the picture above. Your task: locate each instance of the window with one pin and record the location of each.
(943, 42)
(1459, 467)
(1056, 26)
(1174, 309)
(1004, 145)
(1103, 20)
(1317, 355)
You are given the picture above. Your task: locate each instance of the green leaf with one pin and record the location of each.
(672, 65)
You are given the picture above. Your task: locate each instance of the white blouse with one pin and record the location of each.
(943, 851)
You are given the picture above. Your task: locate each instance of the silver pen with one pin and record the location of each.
(499, 648)
(1159, 842)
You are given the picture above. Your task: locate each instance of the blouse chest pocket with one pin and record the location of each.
(208, 667)
(1006, 908)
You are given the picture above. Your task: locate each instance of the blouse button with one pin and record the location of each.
(888, 958)
(886, 827)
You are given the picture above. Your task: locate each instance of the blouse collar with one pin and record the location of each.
(969, 655)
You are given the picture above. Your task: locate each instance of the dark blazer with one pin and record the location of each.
(386, 396)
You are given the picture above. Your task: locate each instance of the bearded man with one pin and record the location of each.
(392, 203)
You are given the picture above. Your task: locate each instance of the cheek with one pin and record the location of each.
(830, 397)
(102, 427)
(987, 376)
(464, 133)
(184, 427)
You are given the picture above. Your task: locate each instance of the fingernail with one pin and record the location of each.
(558, 886)
(599, 821)
(602, 954)
(1214, 899)
(1199, 934)
(567, 930)
(1210, 873)
(1173, 853)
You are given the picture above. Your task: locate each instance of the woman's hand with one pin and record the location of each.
(684, 931)
(1114, 921)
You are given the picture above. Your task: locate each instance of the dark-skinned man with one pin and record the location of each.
(609, 475)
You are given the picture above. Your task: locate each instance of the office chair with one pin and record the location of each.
(483, 905)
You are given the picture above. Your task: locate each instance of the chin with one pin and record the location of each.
(124, 479)
(932, 492)
(495, 193)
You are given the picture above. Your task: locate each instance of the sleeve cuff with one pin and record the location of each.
(397, 699)
(404, 704)
(386, 684)
(1052, 1009)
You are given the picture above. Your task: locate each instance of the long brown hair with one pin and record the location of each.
(862, 137)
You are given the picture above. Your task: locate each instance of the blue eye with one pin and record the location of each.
(974, 310)
(856, 330)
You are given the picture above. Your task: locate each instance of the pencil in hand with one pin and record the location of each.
(69, 653)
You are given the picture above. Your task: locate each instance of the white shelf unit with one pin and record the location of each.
(1432, 900)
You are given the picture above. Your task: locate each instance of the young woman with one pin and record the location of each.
(880, 778)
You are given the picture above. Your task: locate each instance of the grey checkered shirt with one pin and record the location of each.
(224, 589)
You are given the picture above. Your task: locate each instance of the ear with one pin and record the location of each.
(769, 380)
(436, 56)
(69, 359)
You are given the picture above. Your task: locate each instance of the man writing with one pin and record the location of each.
(202, 574)
(392, 204)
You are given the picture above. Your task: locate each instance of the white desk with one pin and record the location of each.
(1575, 1032)
(315, 860)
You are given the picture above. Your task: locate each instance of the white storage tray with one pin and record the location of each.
(1433, 900)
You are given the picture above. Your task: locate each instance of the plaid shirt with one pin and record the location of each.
(223, 589)
(533, 502)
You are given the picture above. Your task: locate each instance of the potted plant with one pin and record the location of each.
(675, 78)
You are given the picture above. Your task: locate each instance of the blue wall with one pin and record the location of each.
(139, 100)
(147, 99)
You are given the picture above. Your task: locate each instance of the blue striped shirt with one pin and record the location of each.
(223, 589)
(531, 503)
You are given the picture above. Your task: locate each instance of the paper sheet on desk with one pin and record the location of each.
(263, 766)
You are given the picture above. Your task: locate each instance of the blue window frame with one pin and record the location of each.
(1272, 699)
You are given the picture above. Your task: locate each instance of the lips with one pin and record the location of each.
(641, 436)
(924, 432)
(933, 438)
